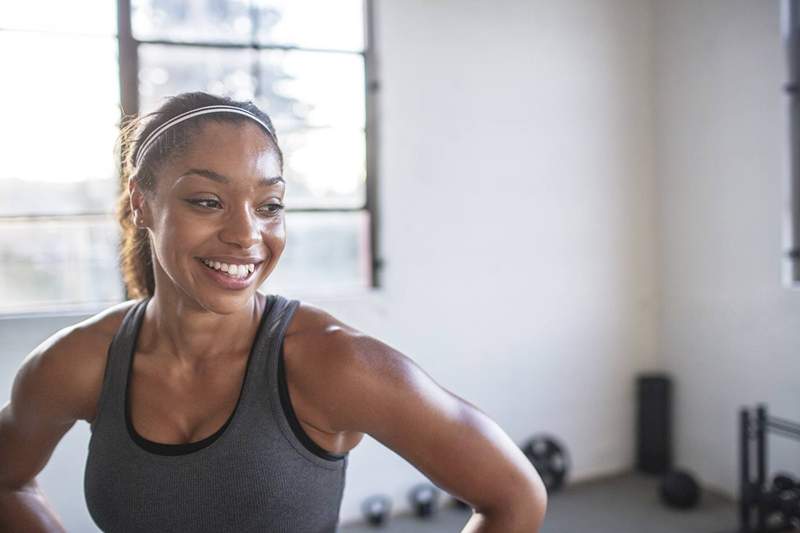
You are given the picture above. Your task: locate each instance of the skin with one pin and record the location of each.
(196, 336)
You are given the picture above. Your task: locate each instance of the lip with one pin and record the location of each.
(226, 281)
(235, 260)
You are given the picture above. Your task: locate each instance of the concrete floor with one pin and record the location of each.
(621, 504)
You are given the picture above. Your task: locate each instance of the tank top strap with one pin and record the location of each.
(280, 317)
(109, 404)
(266, 396)
(279, 312)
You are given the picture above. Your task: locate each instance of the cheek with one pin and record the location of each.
(176, 236)
(275, 235)
(178, 231)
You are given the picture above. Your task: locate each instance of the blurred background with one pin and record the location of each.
(539, 202)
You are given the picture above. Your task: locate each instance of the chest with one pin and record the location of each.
(174, 406)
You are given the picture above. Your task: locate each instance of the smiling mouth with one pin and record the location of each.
(233, 271)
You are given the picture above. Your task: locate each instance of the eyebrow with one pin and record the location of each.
(210, 174)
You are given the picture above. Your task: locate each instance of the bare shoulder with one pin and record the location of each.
(322, 339)
(319, 332)
(335, 363)
(314, 350)
(309, 319)
(69, 365)
(57, 383)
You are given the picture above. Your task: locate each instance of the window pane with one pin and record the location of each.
(170, 70)
(213, 21)
(305, 23)
(58, 263)
(28, 196)
(312, 89)
(297, 89)
(312, 23)
(59, 137)
(316, 101)
(324, 251)
(324, 167)
(96, 17)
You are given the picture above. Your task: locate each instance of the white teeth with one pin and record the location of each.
(235, 271)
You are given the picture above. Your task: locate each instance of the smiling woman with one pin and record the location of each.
(161, 144)
(213, 406)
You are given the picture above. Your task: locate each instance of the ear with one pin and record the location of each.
(137, 198)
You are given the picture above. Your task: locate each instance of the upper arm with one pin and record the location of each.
(50, 391)
(379, 391)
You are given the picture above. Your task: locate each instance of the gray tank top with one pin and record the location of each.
(259, 472)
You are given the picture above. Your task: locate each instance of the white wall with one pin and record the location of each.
(518, 208)
(728, 329)
(517, 192)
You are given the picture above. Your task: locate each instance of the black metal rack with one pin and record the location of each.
(753, 429)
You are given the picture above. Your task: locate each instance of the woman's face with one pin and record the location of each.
(220, 202)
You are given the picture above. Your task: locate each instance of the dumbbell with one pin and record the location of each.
(423, 498)
(789, 502)
(784, 481)
(376, 509)
(770, 506)
(784, 495)
(550, 459)
(780, 506)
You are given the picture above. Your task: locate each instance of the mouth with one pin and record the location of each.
(230, 275)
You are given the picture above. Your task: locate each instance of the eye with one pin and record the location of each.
(274, 209)
(210, 203)
(202, 202)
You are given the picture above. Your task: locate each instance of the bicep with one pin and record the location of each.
(455, 444)
(42, 408)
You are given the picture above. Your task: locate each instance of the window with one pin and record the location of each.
(60, 109)
(305, 62)
(790, 22)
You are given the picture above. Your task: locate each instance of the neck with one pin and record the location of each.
(192, 334)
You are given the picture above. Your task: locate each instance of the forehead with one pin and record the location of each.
(236, 149)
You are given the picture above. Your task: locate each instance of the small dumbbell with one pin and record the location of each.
(783, 481)
(376, 509)
(423, 498)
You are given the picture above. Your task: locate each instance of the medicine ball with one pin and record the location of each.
(679, 489)
(549, 457)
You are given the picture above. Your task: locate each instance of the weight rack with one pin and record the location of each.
(753, 430)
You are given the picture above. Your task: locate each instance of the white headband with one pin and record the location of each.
(151, 139)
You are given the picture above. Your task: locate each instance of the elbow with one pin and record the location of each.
(534, 506)
(538, 505)
(541, 510)
(525, 513)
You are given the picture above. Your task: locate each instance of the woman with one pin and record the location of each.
(214, 407)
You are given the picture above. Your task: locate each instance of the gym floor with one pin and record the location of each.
(621, 504)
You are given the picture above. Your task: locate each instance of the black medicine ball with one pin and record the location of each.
(680, 490)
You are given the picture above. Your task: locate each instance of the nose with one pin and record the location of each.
(241, 228)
